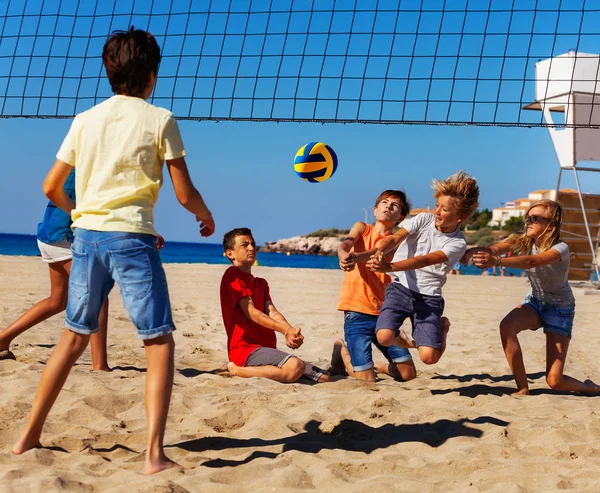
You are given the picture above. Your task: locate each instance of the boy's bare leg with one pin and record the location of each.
(159, 385)
(445, 328)
(98, 342)
(556, 354)
(67, 352)
(290, 371)
(403, 372)
(42, 310)
(340, 348)
(388, 337)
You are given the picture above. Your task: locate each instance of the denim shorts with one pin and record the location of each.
(555, 319)
(424, 310)
(359, 332)
(131, 259)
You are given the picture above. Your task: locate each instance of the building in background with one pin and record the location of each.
(518, 207)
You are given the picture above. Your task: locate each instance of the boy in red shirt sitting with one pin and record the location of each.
(251, 320)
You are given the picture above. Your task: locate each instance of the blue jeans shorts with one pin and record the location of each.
(555, 319)
(131, 259)
(359, 332)
(424, 310)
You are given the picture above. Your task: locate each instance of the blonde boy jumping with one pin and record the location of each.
(433, 243)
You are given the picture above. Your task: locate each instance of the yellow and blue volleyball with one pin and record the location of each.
(315, 162)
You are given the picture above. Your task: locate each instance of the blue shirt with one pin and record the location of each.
(56, 225)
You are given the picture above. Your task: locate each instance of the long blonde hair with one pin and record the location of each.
(521, 243)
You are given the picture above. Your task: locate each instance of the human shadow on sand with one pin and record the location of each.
(193, 372)
(486, 376)
(348, 435)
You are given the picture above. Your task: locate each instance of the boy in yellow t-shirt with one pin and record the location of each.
(362, 295)
(118, 148)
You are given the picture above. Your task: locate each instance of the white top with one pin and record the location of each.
(118, 148)
(424, 238)
(549, 282)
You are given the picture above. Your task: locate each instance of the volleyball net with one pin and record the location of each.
(450, 62)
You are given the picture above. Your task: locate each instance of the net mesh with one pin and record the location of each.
(451, 62)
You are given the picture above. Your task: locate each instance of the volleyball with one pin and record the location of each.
(315, 162)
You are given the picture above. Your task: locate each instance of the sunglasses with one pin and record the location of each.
(535, 219)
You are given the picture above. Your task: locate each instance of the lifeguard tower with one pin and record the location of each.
(567, 86)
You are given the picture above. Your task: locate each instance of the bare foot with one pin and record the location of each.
(6, 354)
(593, 387)
(337, 362)
(24, 444)
(233, 368)
(445, 326)
(407, 339)
(520, 392)
(153, 466)
(102, 368)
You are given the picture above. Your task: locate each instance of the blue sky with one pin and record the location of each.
(245, 169)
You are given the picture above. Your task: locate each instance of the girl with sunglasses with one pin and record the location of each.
(550, 304)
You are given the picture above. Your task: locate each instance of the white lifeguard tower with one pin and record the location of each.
(569, 84)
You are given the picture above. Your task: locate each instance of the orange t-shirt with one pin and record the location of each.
(362, 290)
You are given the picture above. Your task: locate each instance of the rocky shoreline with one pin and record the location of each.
(303, 245)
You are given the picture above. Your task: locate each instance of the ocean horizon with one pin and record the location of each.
(178, 252)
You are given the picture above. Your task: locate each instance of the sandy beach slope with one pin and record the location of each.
(454, 428)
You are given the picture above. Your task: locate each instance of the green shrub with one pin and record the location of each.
(325, 233)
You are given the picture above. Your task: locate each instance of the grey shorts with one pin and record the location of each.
(266, 356)
(425, 312)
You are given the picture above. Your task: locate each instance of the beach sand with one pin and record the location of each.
(454, 428)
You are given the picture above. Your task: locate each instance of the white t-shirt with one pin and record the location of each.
(424, 238)
(118, 148)
(550, 283)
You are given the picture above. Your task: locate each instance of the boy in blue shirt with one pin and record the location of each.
(54, 239)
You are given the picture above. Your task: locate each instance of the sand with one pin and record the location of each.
(454, 428)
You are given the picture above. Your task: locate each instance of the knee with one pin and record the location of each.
(430, 357)
(385, 337)
(58, 302)
(554, 381)
(294, 368)
(408, 372)
(507, 328)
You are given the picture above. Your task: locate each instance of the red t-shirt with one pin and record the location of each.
(244, 335)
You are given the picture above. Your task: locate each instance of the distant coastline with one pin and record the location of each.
(322, 242)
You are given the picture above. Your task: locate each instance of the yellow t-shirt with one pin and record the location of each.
(118, 148)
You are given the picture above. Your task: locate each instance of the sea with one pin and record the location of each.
(206, 253)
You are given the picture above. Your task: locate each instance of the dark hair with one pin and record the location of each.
(396, 194)
(130, 58)
(230, 236)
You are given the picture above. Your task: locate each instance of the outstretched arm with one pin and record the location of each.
(54, 186)
(497, 249)
(348, 260)
(264, 320)
(391, 243)
(188, 196)
(485, 259)
(379, 264)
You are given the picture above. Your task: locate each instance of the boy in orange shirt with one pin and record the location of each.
(362, 295)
